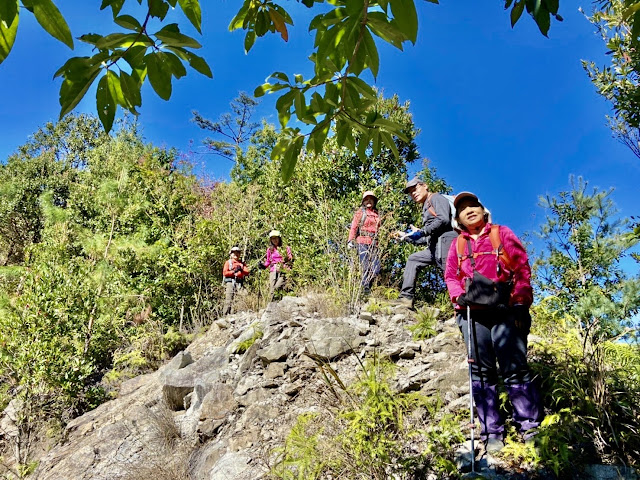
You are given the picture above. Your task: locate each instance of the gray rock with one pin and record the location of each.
(608, 472)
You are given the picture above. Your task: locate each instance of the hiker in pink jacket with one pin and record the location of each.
(278, 260)
(488, 278)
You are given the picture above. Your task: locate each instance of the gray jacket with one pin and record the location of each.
(434, 227)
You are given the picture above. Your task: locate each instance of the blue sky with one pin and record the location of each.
(507, 114)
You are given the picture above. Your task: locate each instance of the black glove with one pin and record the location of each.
(261, 266)
(462, 300)
(522, 317)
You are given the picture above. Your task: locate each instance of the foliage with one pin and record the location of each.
(594, 400)
(424, 327)
(49, 161)
(246, 344)
(366, 434)
(233, 132)
(580, 267)
(618, 25)
(588, 305)
(345, 51)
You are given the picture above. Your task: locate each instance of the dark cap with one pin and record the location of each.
(414, 182)
(462, 195)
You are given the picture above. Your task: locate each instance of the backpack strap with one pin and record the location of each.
(432, 210)
(363, 217)
(497, 250)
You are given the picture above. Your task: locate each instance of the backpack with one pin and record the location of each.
(363, 217)
(452, 209)
(497, 250)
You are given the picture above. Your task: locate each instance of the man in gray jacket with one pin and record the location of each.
(436, 233)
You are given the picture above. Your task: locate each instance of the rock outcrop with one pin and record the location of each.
(216, 410)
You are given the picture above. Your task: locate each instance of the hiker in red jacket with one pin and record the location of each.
(234, 271)
(363, 235)
(489, 280)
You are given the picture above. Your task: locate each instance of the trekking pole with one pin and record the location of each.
(470, 361)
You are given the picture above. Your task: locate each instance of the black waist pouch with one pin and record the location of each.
(484, 292)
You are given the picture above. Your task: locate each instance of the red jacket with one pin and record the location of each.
(487, 265)
(230, 267)
(366, 233)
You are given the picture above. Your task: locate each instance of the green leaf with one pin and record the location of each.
(280, 76)
(406, 16)
(331, 95)
(283, 105)
(131, 91)
(159, 74)
(129, 22)
(170, 35)
(543, 19)
(116, 6)
(105, 103)
(516, 12)
(50, 18)
(362, 87)
(191, 9)
(291, 158)
(72, 91)
(238, 20)
(8, 29)
(363, 143)
(8, 11)
(158, 8)
(121, 40)
(375, 137)
(553, 6)
(199, 64)
(280, 148)
(134, 56)
(369, 46)
(115, 87)
(175, 65)
(249, 40)
(379, 25)
(261, 90)
(388, 141)
(318, 136)
(300, 104)
(635, 30)
(90, 38)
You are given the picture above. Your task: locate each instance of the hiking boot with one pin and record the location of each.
(493, 445)
(403, 302)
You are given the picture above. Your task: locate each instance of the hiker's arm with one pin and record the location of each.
(522, 292)
(454, 283)
(441, 220)
(267, 259)
(353, 231)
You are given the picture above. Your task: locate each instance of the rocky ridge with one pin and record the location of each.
(213, 413)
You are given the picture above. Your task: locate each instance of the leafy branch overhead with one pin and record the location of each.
(347, 34)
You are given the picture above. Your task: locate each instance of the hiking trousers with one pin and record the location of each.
(277, 281)
(229, 293)
(436, 254)
(495, 337)
(369, 264)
